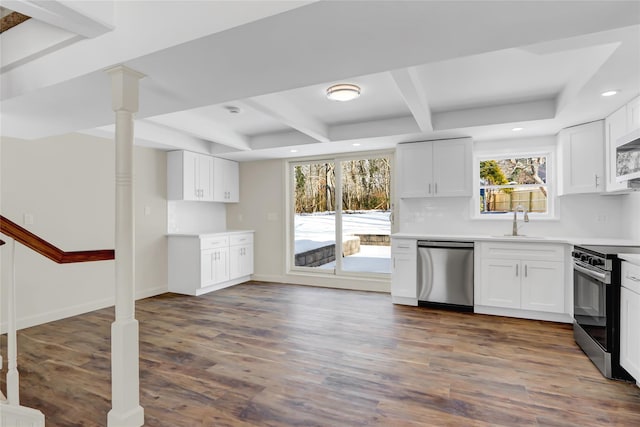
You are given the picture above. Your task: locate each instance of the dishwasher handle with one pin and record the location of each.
(441, 244)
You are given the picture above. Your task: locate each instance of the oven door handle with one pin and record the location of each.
(602, 277)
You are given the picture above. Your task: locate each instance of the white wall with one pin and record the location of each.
(196, 217)
(68, 184)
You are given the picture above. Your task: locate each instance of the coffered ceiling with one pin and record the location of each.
(247, 80)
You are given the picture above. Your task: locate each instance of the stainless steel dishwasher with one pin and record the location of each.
(445, 274)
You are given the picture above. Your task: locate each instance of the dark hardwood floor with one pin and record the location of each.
(263, 354)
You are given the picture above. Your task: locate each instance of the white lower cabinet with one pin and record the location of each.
(404, 271)
(241, 259)
(630, 320)
(203, 263)
(525, 279)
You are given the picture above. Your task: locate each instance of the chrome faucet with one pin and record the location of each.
(515, 218)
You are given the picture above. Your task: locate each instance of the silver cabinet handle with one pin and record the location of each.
(436, 186)
(429, 188)
(517, 268)
(525, 270)
(634, 278)
(597, 180)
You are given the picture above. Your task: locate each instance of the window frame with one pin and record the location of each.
(551, 183)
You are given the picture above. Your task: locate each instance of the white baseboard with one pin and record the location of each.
(327, 281)
(523, 314)
(63, 313)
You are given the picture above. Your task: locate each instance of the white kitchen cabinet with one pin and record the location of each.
(615, 127)
(582, 153)
(621, 122)
(435, 168)
(630, 319)
(633, 114)
(241, 255)
(404, 271)
(203, 263)
(226, 181)
(500, 284)
(526, 278)
(189, 176)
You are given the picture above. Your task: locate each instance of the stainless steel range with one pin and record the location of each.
(596, 305)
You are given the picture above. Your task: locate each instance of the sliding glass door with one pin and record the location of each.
(340, 211)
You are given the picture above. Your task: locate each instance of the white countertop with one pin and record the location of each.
(632, 258)
(204, 234)
(528, 239)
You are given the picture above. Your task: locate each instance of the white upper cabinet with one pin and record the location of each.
(226, 181)
(633, 114)
(582, 158)
(615, 127)
(193, 176)
(621, 122)
(189, 176)
(435, 168)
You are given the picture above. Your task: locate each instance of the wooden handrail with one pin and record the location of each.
(44, 248)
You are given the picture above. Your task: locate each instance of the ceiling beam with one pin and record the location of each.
(202, 127)
(279, 108)
(495, 114)
(413, 92)
(67, 15)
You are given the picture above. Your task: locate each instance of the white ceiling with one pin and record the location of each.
(427, 70)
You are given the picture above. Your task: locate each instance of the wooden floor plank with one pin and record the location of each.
(262, 354)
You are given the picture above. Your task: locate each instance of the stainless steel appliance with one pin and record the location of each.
(596, 305)
(445, 274)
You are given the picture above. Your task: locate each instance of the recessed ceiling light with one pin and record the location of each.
(293, 151)
(343, 92)
(517, 129)
(356, 144)
(609, 93)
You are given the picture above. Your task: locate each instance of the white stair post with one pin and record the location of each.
(13, 383)
(125, 377)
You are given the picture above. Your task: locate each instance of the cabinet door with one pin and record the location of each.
(542, 286)
(633, 114)
(226, 181)
(615, 127)
(221, 265)
(207, 268)
(500, 283)
(205, 177)
(240, 261)
(404, 277)
(582, 158)
(414, 169)
(630, 332)
(190, 175)
(452, 168)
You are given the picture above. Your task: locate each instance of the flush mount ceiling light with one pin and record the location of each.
(343, 92)
(609, 93)
(517, 129)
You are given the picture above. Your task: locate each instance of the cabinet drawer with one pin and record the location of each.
(531, 251)
(214, 242)
(404, 246)
(631, 276)
(241, 239)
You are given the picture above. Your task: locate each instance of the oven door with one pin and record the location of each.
(592, 303)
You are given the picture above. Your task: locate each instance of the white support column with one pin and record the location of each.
(125, 377)
(13, 382)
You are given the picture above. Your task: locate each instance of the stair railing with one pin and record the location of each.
(23, 236)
